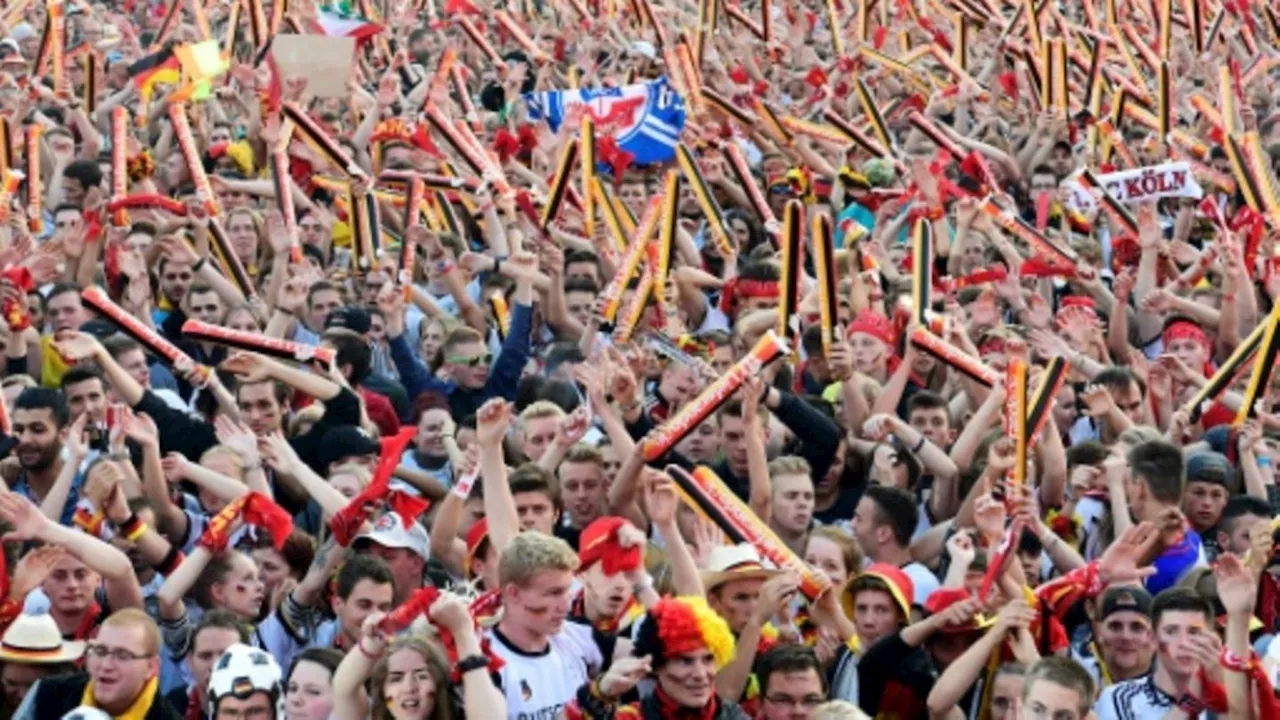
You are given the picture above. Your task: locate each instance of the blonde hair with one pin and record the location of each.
(838, 710)
(841, 538)
(134, 617)
(224, 451)
(540, 409)
(530, 553)
(790, 465)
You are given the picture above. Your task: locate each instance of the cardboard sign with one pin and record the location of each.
(324, 61)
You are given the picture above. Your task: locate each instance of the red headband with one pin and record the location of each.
(1184, 329)
(874, 324)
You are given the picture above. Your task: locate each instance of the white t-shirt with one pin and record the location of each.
(1136, 699)
(537, 686)
(923, 580)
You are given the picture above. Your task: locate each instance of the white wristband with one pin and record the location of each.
(462, 488)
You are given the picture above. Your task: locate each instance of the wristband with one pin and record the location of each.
(284, 311)
(916, 450)
(471, 662)
(366, 653)
(462, 488)
(170, 562)
(497, 262)
(132, 528)
(198, 264)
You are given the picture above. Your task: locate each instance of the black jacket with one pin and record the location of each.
(57, 696)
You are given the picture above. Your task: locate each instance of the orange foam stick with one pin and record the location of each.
(319, 140)
(559, 184)
(738, 14)
(35, 186)
(96, 298)
(257, 342)
(481, 42)
(119, 162)
(10, 180)
(517, 33)
(742, 173)
(634, 309)
(587, 170)
(666, 237)
(1017, 227)
(191, 154)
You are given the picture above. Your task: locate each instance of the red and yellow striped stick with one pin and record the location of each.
(10, 180)
(481, 42)
(96, 298)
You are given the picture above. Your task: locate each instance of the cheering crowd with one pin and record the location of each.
(652, 359)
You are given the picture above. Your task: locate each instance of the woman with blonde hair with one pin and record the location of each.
(409, 677)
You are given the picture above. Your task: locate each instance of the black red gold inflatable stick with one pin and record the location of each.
(921, 270)
(792, 246)
(706, 199)
(1226, 373)
(665, 436)
(1263, 366)
(708, 496)
(824, 264)
(232, 267)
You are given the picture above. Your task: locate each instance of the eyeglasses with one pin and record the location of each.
(103, 652)
(808, 701)
(473, 361)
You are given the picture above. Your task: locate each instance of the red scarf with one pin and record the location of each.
(88, 626)
(670, 709)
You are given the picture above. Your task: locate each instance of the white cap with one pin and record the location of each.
(389, 531)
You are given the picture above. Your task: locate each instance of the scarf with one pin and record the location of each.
(140, 707)
(668, 708)
(88, 623)
(193, 706)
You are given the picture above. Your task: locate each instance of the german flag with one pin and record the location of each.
(160, 67)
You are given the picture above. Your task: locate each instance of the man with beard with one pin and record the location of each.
(1186, 644)
(40, 419)
(1122, 643)
(86, 394)
(262, 395)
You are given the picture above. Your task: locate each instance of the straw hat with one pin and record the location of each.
(727, 563)
(36, 640)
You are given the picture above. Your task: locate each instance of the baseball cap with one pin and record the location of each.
(345, 441)
(1208, 466)
(1124, 599)
(355, 319)
(389, 532)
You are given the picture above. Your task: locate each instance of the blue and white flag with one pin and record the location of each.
(645, 119)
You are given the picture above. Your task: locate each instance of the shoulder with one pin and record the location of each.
(1118, 701)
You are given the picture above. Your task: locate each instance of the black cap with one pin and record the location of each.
(345, 441)
(1208, 466)
(355, 319)
(1124, 599)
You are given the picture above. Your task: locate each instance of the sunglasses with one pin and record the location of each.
(473, 361)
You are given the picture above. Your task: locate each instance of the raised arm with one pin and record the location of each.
(113, 565)
(492, 421)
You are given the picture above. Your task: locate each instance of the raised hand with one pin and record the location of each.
(1121, 563)
(32, 570)
(249, 367)
(660, 499)
(25, 519)
(1237, 586)
(492, 421)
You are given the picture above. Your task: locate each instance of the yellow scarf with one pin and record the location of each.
(138, 710)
